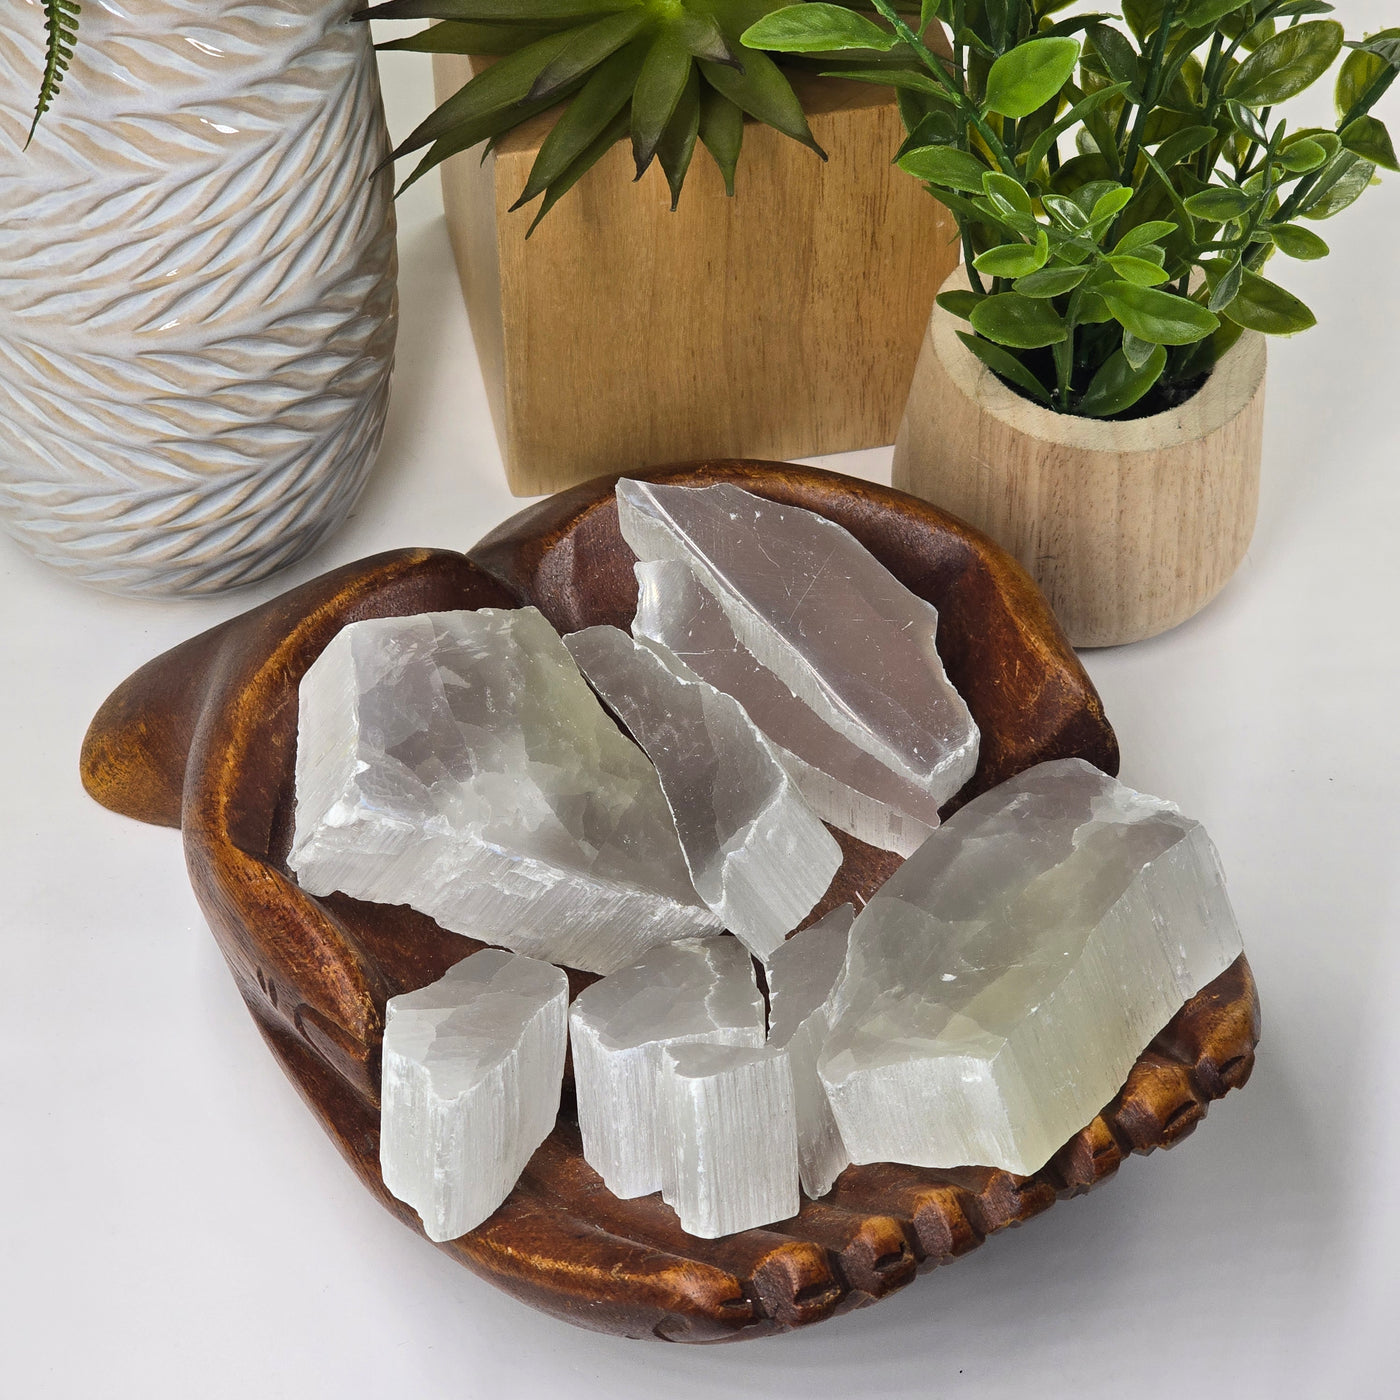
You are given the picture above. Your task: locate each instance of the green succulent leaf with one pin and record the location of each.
(1120, 58)
(1282, 66)
(1144, 17)
(1182, 145)
(1203, 14)
(1007, 195)
(1011, 259)
(1160, 317)
(586, 49)
(703, 38)
(1004, 363)
(677, 144)
(488, 95)
(1118, 385)
(722, 133)
(763, 92)
(664, 76)
(461, 36)
(1138, 271)
(1150, 232)
(1109, 205)
(1024, 323)
(1368, 138)
(1066, 211)
(1302, 156)
(1218, 204)
(616, 131)
(1363, 71)
(958, 302)
(1247, 122)
(1051, 281)
(945, 165)
(1297, 242)
(600, 99)
(1136, 352)
(1264, 306)
(1342, 180)
(1226, 286)
(1029, 75)
(816, 28)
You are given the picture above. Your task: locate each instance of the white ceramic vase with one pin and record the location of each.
(197, 288)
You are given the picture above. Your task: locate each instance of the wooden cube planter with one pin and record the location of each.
(784, 322)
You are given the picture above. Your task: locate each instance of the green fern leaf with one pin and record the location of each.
(61, 24)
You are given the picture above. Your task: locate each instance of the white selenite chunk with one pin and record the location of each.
(802, 978)
(757, 853)
(813, 605)
(457, 762)
(733, 1137)
(473, 1066)
(845, 785)
(700, 990)
(1000, 985)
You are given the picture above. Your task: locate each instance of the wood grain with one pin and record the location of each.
(783, 322)
(204, 738)
(1129, 528)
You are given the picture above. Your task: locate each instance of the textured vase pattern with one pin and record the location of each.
(197, 304)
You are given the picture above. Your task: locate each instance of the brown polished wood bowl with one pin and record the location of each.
(204, 738)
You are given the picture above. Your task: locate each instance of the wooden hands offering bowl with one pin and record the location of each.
(204, 739)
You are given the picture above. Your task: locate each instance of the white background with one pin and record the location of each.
(174, 1224)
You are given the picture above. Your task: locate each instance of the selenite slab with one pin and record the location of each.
(802, 978)
(1001, 984)
(732, 1132)
(757, 853)
(815, 607)
(473, 1066)
(845, 785)
(457, 762)
(700, 990)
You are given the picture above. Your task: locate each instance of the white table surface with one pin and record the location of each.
(176, 1225)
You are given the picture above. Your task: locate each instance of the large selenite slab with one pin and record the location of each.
(815, 607)
(473, 1066)
(732, 1130)
(802, 979)
(757, 853)
(1000, 985)
(457, 762)
(697, 991)
(845, 785)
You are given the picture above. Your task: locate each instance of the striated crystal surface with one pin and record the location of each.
(815, 607)
(802, 978)
(472, 1071)
(1000, 985)
(699, 990)
(845, 785)
(458, 762)
(732, 1131)
(757, 853)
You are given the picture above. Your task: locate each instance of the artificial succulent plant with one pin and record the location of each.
(665, 74)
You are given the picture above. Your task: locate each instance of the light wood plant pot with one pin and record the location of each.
(784, 322)
(1130, 527)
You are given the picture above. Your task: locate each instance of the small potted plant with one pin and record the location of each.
(640, 289)
(1090, 391)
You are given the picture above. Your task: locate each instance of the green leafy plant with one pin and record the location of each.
(1109, 279)
(664, 74)
(61, 33)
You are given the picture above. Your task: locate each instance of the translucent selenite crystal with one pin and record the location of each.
(733, 1137)
(700, 990)
(757, 853)
(815, 607)
(458, 762)
(472, 1071)
(802, 978)
(845, 785)
(1000, 985)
